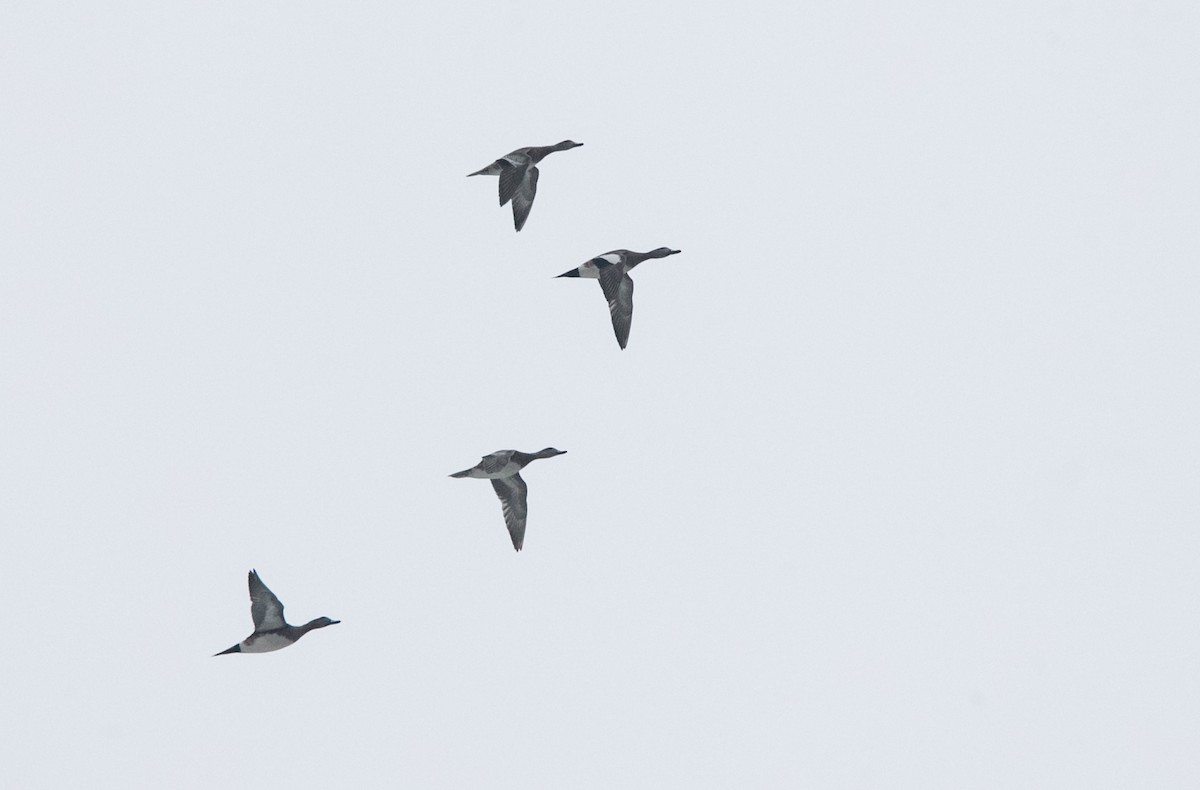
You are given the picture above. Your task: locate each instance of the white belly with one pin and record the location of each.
(265, 643)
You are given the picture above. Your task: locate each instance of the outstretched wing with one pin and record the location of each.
(522, 200)
(618, 290)
(513, 495)
(511, 176)
(265, 608)
(494, 462)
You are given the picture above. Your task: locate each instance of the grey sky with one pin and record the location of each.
(894, 487)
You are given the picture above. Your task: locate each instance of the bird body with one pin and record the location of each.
(591, 267)
(519, 176)
(612, 270)
(503, 468)
(493, 466)
(264, 643)
(271, 631)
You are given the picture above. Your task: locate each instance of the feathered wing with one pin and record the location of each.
(511, 177)
(265, 608)
(513, 495)
(522, 199)
(489, 464)
(618, 290)
(494, 462)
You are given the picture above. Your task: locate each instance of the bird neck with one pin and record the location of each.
(309, 626)
(538, 153)
(524, 458)
(634, 258)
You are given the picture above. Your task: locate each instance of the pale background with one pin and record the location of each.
(894, 487)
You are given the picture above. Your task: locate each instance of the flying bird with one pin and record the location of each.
(271, 631)
(612, 270)
(519, 176)
(503, 468)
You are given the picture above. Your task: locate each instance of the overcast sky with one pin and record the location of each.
(894, 487)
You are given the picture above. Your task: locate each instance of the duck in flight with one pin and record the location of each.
(519, 176)
(271, 631)
(612, 270)
(503, 468)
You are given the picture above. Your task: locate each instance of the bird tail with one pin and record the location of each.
(491, 170)
(463, 473)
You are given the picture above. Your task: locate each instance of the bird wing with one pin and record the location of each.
(522, 200)
(513, 495)
(511, 176)
(618, 290)
(265, 608)
(494, 462)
